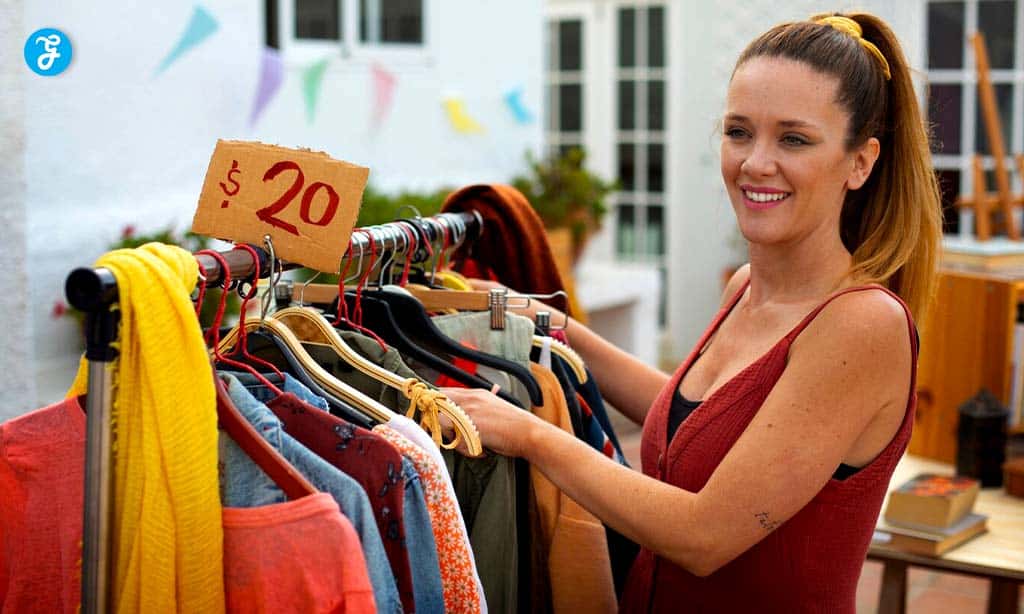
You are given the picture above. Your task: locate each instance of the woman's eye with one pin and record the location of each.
(791, 139)
(735, 133)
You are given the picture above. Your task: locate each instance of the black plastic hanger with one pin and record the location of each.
(377, 316)
(421, 330)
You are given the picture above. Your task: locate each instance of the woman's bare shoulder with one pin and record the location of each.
(736, 282)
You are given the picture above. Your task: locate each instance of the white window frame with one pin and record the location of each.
(967, 79)
(301, 52)
(554, 78)
(640, 197)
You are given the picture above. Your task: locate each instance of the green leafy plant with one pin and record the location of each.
(564, 193)
(381, 208)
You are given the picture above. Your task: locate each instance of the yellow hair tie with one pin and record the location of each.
(851, 27)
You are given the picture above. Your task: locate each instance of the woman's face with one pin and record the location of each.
(784, 157)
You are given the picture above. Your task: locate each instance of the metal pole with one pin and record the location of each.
(96, 531)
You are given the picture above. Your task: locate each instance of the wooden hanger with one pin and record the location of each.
(229, 418)
(464, 428)
(566, 353)
(340, 389)
(311, 326)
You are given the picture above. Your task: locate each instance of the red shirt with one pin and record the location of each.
(809, 564)
(298, 556)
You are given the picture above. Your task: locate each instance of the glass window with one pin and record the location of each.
(570, 107)
(944, 104)
(655, 167)
(627, 37)
(655, 240)
(317, 19)
(946, 34)
(656, 37)
(565, 148)
(996, 20)
(625, 236)
(270, 24)
(949, 185)
(627, 105)
(627, 166)
(391, 21)
(655, 105)
(570, 45)
(1004, 104)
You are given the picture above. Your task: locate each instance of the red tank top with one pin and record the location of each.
(809, 564)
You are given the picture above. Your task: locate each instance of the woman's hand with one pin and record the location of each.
(504, 428)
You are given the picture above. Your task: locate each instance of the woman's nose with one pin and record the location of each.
(760, 161)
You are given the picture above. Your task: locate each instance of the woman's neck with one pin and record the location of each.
(796, 273)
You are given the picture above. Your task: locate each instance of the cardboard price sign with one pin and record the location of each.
(306, 201)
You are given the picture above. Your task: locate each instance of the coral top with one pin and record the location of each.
(812, 562)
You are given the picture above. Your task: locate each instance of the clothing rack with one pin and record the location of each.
(94, 290)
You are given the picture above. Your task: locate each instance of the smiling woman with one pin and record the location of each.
(769, 451)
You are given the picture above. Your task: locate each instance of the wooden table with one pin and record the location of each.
(997, 555)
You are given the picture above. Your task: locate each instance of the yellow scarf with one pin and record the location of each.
(168, 541)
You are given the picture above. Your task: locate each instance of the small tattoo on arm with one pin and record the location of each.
(767, 523)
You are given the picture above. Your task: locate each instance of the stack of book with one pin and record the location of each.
(931, 514)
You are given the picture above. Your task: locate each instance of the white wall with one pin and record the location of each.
(109, 144)
(16, 351)
(706, 40)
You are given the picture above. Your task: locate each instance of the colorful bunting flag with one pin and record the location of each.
(199, 28)
(312, 78)
(271, 77)
(383, 93)
(459, 117)
(514, 100)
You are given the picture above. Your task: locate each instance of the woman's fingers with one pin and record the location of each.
(502, 426)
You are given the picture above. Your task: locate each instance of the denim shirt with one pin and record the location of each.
(244, 484)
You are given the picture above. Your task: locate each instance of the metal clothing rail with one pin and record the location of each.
(94, 291)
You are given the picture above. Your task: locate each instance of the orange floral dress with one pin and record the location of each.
(457, 570)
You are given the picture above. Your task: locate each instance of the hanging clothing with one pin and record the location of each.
(487, 487)
(362, 455)
(248, 486)
(515, 249)
(42, 473)
(298, 556)
(271, 562)
(457, 571)
(835, 526)
(167, 539)
(577, 553)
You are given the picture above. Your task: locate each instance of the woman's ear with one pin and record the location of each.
(863, 161)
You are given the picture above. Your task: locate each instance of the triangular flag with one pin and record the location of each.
(199, 28)
(514, 100)
(311, 79)
(459, 118)
(271, 77)
(383, 93)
